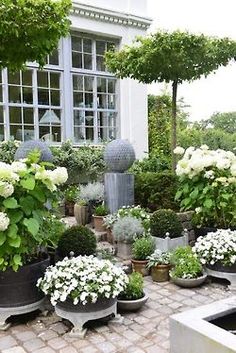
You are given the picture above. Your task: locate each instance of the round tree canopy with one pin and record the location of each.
(30, 30)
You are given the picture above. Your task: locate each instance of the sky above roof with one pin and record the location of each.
(217, 92)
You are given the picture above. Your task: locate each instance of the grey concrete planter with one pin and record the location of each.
(167, 244)
(131, 305)
(189, 282)
(81, 214)
(124, 250)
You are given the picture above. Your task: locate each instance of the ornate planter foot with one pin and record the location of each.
(78, 332)
(118, 319)
(3, 324)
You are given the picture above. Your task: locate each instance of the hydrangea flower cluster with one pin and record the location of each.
(219, 246)
(4, 221)
(83, 279)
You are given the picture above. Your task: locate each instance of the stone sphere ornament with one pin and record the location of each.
(119, 155)
(26, 147)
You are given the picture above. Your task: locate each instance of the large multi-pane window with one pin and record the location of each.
(35, 104)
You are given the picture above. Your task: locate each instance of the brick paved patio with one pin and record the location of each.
(144, 331)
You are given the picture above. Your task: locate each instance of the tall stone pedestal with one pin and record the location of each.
(119, 190)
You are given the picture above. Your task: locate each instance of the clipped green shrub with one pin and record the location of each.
(134, 289)
(156, 190)
(142, 248)
(77, 239)
(165, 221)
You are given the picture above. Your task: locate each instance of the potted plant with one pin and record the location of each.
(207, 186)
(81, 212)
(159, 263)
(71, 194)
(167, 230)
(98, 217)
(142, 248)
(93, 195)
(83, 288)
(217, 251)
(27, 189)
(187, 271)
(78, 240)
(125, 231)
(133, 297)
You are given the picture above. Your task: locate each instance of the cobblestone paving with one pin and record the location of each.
(146, 331)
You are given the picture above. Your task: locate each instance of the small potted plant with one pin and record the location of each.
(133, 297)
(71, 194)
(125, 231)
(142, 248)
(167, 230)
(98, 217)
(81, 212)
(159, 262)
(83, 288)
(93, 195)
(187, 270)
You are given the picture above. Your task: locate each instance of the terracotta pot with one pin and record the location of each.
(110, 237)
(98, 223)
(81, 214)
(140, 266)
(160, 273)
(69, 208)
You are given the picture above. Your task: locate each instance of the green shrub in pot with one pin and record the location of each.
(134, 288)
(101, 210)
(142, 248)
(165, 221)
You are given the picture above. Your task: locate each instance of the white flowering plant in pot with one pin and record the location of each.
(217, 247)
(207, 184)
(27, 189)
(82, 280)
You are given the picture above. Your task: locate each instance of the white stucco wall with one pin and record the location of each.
(132, 95)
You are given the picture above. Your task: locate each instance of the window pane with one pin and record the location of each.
(111, 86)
(100, 63)
(89, 118)
(54, 80)
(27, 95)
(79, 134)
(101, 84)
(103, 134)
(1, 132)
(55, 98)
(14, 78)
(54, 58)
(1, 115)
(44, 133)
(102, 119)
(1, 100)
(43, 96)
(78, 82)
(87, 62)
(88, 100)
(42, 79)
(15, 115)
(102, 101)
(112, 119)
(78, 100)
(87, 45)
(28, 115)
(89, 133)
(78, 117)
(27, 78)
(77, 60)
(111, 46)
(88, 83)
(100, 47)
(16, 132)
(56, 133)
(14, 94)
(76, 43)
(111, 101)
(49, 117)
(28, 133)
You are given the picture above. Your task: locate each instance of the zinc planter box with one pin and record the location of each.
(167, 244)
(195, 331)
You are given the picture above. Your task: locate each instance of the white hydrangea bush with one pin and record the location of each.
(219, 246)
(82, 279)
(207, 180)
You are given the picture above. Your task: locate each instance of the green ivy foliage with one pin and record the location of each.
(30, 30)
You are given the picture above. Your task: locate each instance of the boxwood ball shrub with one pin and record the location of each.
(165, 221)
(77, 239)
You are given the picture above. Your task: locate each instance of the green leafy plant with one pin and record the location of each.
(72, 193)
(77, 239)
(101, 210)
(126, 229)
(158, 258)
(156, 190)
(165, 221)
(8, 150)
(142, 248)
(30, 30)
(153, 164)
(51, 231)
(134, 288)
(27, 188)
(186, 264)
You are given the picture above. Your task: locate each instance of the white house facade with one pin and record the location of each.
(75, 97)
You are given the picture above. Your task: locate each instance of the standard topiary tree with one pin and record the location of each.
(171, 57)
(30, 30)
(77, 239)
(165, 221)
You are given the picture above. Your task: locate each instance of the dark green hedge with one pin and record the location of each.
(156, 190)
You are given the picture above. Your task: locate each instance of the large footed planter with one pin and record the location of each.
(218, 270)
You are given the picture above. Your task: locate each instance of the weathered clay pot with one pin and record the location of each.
(189, 283)
(140, 266)
(131, 305)
(98, 223)
(81, 214)
(160, 273)
(69, 208)
(19, 288)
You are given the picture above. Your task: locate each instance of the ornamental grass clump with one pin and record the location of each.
(83, 279)
(79, 240)
(217, 247)
(207, 184)
(26, 190)
(165, 221)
